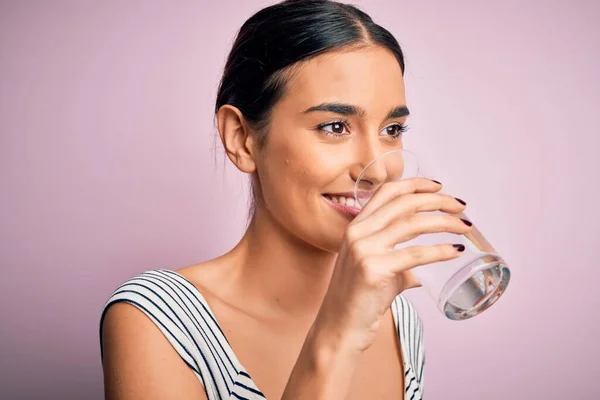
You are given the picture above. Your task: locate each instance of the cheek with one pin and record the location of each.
(297, 167)
(303, 177)
(294, 176)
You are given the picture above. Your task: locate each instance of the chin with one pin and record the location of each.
(322, 226)
(321, 233)
(330, 236)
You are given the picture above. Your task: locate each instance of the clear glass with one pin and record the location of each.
(462, 287)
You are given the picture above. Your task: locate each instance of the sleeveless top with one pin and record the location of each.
(180, 311)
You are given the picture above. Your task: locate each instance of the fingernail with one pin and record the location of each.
(459, 247)
(439, 183)
(461, 201)
(468, 223)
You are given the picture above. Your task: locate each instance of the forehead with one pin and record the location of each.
(369, 77)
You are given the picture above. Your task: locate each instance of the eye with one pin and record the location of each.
(395, 131)
(335, 128)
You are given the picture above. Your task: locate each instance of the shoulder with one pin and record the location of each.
(408, 322)
(148, 287)
(155, 297)
(406, 313)
(409, 327)
(143, 349)
(164, 295)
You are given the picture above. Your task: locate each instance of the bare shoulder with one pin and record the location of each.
(139, 362)
(210, 277)
(206, 273)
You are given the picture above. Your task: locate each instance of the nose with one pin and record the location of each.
(376, 173)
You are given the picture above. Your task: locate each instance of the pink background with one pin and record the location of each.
(108, 168)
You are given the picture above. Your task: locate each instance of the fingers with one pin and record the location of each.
(404, 229)
(399, 261)
(399, 212)
(404, 206)
(390, 190)
(414, 203)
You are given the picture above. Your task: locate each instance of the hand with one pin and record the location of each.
(369, 273)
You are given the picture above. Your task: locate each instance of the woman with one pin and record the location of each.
(308, 304)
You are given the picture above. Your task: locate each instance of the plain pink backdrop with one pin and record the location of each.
(107, 169)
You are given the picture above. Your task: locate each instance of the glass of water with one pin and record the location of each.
(462, 287)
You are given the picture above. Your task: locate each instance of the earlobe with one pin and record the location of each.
(236, 138)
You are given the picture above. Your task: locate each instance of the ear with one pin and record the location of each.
(236, 138)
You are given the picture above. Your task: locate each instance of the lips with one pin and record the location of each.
(345, 204)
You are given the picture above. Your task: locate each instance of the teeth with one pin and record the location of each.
(347, 201)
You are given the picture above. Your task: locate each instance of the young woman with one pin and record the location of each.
(308, 305)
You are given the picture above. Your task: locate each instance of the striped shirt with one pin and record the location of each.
(180, 311)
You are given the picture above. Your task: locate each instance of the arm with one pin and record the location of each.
(324, 367)
(368, 275)
(140, 363)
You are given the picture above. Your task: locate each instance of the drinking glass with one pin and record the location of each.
(463, 287)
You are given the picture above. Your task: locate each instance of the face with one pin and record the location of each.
(340, 111)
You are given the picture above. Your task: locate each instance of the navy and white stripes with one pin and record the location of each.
(178, 309)
(410, 332)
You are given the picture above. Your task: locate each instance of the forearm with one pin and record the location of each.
(324, 368)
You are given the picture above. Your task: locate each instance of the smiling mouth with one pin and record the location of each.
(345, 204)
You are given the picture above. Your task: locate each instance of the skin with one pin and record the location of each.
(297, 275)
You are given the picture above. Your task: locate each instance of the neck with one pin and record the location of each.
(277, 272)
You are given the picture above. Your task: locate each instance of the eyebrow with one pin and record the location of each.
(348, 109)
